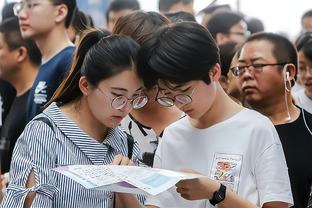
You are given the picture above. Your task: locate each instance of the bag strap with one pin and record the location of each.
(45, 120)
(130, 143)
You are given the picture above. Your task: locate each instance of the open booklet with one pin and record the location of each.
(126, 179)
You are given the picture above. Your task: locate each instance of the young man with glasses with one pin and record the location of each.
(45, 22)
(228, 26)
(231, 145)
(266, 70)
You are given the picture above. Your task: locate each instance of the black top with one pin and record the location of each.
(297, 144)
(12, 128)
(7, 95)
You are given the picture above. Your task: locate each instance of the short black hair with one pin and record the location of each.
(180, 16)
(221, 22)
(304, 44)
(254, 25)
(305, 15)
(227, 52)
(165, 5)
(212, 8)
(7, 11)
(283, 49)
(118, 5)
(178, 53)
(71, 7)
(13, 37)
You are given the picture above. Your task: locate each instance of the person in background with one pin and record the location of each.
(146, 124)
(79, 23)
(117, 9)
(212, 8)
(19, 63)
(266, 70)
(306, 21)
(45, 22)
(303, 97)
(7, 91)
(254, 25)
(79, 126)
(167, 6)
(228, 26)
(180, 16)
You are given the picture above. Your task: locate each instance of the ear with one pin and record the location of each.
(84, 86)
(215, 73)
(22, 54)
(61, 14)
(289, 72)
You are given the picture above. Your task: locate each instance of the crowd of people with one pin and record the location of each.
(222, 98)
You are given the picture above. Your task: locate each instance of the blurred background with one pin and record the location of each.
(282, 16)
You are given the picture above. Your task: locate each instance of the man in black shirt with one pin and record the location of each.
(266, 71)
(19, 63)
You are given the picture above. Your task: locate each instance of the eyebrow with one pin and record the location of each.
(252, 60)
(124, 90)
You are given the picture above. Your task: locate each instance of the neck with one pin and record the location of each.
(222, 108)
(53, 42)
(80, 113)
(278, 110)
(156, 116)
(24, 78)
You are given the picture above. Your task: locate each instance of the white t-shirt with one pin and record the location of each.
(303, 100)
(243, 152)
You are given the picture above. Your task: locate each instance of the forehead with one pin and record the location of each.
(257, 49)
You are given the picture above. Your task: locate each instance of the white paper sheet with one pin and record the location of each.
(126, 179)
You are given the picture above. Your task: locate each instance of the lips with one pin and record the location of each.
(249, 89)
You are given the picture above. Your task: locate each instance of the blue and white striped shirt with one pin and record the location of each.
(41, 149)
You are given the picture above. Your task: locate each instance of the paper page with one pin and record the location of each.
(127, 179)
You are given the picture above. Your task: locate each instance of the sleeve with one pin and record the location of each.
(34, 151)
(271, 171)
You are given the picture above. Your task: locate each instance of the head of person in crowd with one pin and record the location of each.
(208, 11)
(180, 16)
(184, 66)
(304, 48)
(227, 51)
(306, 21)
(103, 81)
(233, 89)
(254, 25)
(16, 54)
(228, 26)
(79, 23)
(140, 25)
(117, 9)
(266, 70)
(7, 11)
(166, 6)
(37, 18)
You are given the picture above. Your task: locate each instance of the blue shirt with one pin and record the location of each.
(49, 77)
(41, 149)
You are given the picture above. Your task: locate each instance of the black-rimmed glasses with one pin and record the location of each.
(239, 70)
(121, 101)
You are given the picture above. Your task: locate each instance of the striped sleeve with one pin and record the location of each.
(34, 151)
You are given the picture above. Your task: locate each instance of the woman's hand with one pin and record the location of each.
(122, 160)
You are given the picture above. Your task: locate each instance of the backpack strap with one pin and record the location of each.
(130, 143)
(45, 120)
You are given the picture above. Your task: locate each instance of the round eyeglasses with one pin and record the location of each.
(121, 101)
(166, 101)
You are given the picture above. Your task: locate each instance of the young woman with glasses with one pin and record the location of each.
(79, 126)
